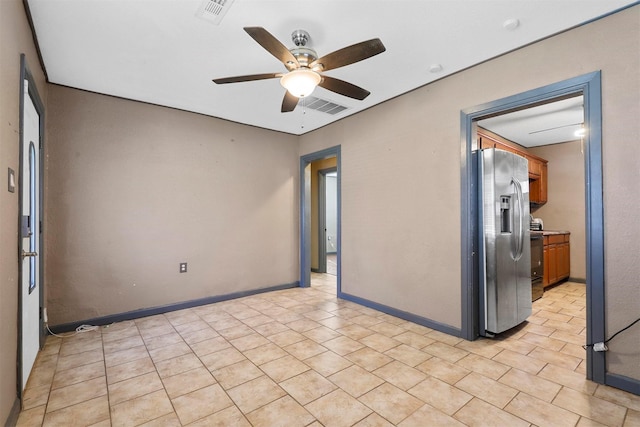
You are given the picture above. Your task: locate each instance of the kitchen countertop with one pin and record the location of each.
(549, 232)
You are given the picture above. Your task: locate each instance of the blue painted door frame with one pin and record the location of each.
(305, 214)
(587, 85)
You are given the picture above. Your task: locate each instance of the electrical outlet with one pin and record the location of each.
(45, 318)
(183, 267)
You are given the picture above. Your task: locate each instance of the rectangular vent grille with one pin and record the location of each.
(321, 105)
(214, 10)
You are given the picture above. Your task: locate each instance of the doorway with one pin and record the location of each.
(316, 171)
(30, 243)
(588, 86)
(327, 215)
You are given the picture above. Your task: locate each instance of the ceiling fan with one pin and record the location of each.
(305, 68)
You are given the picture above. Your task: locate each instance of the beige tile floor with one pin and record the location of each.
(301, 357)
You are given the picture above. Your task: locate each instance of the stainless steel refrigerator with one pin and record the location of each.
(505, 253)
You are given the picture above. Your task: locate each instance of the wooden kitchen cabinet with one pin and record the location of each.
(556, 255)
(564, 263)
(537, 165)
(545, 260)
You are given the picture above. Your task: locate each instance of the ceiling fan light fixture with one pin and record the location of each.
(300, 82)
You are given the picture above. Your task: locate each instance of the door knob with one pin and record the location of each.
(28, 254)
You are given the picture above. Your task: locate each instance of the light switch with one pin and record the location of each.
(12, 181)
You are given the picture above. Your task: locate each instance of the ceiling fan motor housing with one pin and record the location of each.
(300, 37)
(304, 55)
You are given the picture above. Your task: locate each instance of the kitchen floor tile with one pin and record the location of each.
(391, 402)
(487, 389)
(343, 345)
(201, 403)
(128, 370)
(123, 356)
(255, 393)
(427, 415)
(481, 414)
(85, 413)
(321, 334)
(379, 342)
(222, 358)
(170, 367)
(591, 407)
(31, 416)
(236, 374)
(76, 393)
(338, 409)
(141, 409)
(440, 395)
(160, 341)
(63, 378)
(35, 396)
(307, 386)
(631, 401)
(265, 353)
(408, 355)
(301, 356)
(443, 370)
(539, 412)
(305, 349)
(209, 346)
(531, 384)
(284, 412)
(284, 368)
(227, 417)
(188, 381)
(355, 380)
(134, 387)
(519, 361)
(414, 339)
(400, 375)
(368, 358)
(373, 420)
(327, 363)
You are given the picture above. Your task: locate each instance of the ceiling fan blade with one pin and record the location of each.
(343, 88)
(248, 78)
(349, 55)
(273, 46)
(289, 102)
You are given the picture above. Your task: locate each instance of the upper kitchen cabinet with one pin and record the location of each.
(537, 165)
(538, 183)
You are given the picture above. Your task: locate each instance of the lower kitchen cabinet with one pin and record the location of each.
(556, 255)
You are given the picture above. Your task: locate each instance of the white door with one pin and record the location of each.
(30, 237)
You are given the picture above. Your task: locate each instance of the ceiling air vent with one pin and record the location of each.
(321, 105)
(214, 10)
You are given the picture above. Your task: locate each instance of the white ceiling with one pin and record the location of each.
(546, 124)
(162, 53)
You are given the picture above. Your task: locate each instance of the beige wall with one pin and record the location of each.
(15, 38)
(565, 208)
(316, 166)
(401, 227)
(135, 189)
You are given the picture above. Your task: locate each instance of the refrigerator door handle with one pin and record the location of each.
(521, 231)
